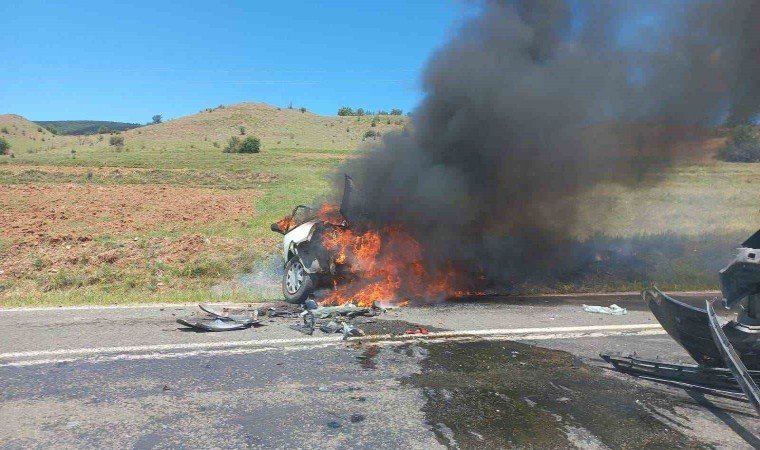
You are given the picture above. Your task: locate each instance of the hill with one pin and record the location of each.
(22, 133)
(80, 127)
(276, 127)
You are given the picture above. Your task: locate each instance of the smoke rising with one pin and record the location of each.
(534, 102)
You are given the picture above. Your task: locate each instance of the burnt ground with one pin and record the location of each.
(273, 387)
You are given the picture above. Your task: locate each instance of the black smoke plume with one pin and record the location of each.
(534, 102)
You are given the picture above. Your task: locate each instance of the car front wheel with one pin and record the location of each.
(297, 284)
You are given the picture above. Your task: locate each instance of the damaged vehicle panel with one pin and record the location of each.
(727, 353)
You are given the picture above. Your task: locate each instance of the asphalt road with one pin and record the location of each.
(493, 373)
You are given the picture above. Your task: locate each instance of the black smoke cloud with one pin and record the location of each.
(534, 102)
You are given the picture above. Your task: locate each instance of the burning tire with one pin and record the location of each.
(297, 284)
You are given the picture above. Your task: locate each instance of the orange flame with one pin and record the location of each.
(286, 224)
(388, 265)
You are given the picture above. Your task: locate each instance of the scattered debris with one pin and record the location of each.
(221, 321)
(351, 331)
(274, 312)
(349, 310)
(613, 310)
(418, 330)
(216, 324)
(331, 327)
(329, 319)
(222, 315)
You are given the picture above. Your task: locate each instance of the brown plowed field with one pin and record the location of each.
(76, 212)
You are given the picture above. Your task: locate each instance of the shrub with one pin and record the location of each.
(742, 146)
(250, 145)
(232, 145)
(102, 130)
(360, 112)
(4, 146)
(302, 109)
(371, 134)
(39, 129)
(247, 145)
(157, 118)
(345, 111)
(116, 141)
(396, 112)
(242, 130)
(4, 130)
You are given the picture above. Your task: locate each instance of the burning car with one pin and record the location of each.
(310, 247)
(338, 247)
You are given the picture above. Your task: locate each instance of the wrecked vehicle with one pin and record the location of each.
(309, 265)
(727, 352)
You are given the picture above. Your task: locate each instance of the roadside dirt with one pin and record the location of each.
(50, 227)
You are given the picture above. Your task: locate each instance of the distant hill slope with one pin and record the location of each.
(276, 127)
(22, 133)
(80, 127)
(209, 131)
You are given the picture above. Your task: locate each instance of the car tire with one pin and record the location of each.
(297, 284)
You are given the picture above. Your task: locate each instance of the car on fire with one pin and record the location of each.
(309, 263)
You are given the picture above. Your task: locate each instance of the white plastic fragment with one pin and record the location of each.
(614, 310)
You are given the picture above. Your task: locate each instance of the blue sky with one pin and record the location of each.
(126, 61)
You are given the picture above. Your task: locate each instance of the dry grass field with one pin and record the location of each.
(169, 217)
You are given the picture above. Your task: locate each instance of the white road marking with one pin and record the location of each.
(245, 304)
(142, 352)
(334, 343)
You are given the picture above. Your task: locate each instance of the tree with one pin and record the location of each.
(156, 119)
(742, 146)
(303, 110)
(360, 112)
(102, 130)
(396, 112)
(345, 111)
(4, 146)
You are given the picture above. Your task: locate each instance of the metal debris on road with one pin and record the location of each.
(330, 327)
(613, 310)
(220, 320)
(350, 331)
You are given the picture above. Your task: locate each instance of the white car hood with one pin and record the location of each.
(296, 236)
